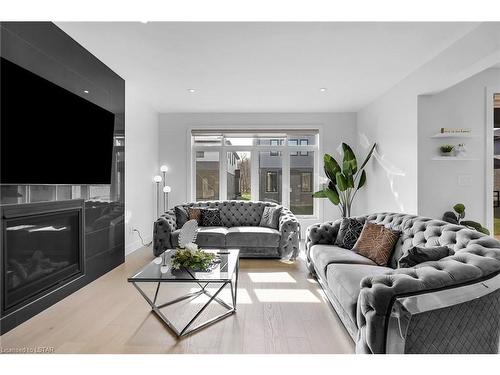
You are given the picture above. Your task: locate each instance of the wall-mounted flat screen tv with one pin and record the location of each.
(50, 135)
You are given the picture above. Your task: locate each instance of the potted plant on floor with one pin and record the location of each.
(343, 183)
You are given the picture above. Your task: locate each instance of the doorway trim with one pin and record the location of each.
(489, 164)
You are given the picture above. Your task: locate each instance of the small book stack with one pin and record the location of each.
(455, 131)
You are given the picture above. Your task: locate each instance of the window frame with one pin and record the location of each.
(286, 150)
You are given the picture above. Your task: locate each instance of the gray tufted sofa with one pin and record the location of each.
(240, 230)
(363, 293)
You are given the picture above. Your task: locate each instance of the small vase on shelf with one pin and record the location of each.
(460, 151)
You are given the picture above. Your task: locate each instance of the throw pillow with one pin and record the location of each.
(181, 216)
(376, 242)
(210, 217)
(418, 255)
(195, 214)
(271, 217)
(349, 232)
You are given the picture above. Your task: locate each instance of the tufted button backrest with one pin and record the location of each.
(425, 232)
(236, 213)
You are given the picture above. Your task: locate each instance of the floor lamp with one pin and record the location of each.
(157, 179)
(166, 189)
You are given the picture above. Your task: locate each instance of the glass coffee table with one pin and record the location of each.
(224, 273)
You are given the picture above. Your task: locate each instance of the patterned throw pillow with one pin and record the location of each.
(417, 255)
(349, 232)
(195, 213)
(210, 217)
(181, 216)
(376, 242)
(271, 217)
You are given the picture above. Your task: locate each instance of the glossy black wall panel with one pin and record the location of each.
(45, 50)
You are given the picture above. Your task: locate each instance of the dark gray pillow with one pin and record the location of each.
(181, 216)
(271, 217)
(210, 217)
(349, 232)
(417, 255)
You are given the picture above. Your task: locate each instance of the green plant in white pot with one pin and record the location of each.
(343, 183)
(447, 150)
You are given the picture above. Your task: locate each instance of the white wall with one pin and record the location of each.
(141, 164)
(441, 184)
(174, 147)
(391, 120)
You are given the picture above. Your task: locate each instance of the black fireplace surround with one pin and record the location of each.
(57, 245)
(42, 250)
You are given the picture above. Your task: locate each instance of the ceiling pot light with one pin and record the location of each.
(86, 91)
(323, 89)
(191, 90)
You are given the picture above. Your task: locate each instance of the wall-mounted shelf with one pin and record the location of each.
(453, 135)
(453, 158)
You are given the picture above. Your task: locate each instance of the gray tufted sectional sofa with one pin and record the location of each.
(240, 230)
(364, 294)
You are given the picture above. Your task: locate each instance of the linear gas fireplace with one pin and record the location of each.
(42, 250)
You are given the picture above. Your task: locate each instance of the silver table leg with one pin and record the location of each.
(186, 330)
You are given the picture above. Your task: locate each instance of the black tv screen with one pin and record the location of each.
(50, 135)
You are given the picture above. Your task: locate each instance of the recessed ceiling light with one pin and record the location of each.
(191, 90)
(86, 91)
(323, 89)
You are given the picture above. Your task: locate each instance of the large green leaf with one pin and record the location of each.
(332, 195)
(450, 217)
(331, 167)
(475, 225)
(319, 194)
(350, 181)
(362, 179)
(368, 156)
(349, 164)
(341, 181)
(459, 208)
(484, 230)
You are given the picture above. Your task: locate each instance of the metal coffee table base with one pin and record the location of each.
(188, 329)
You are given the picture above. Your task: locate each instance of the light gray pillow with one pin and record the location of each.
(271, 217)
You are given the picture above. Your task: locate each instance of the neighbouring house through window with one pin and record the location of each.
(278, 166)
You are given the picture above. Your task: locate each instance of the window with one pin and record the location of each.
(293, 142)
(239, 177)
(306, 182)
(304, 142)
(207, 176)
(271, 182)
(274, 142)
(272, 166)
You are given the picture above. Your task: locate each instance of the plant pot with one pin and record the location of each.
(451, 153)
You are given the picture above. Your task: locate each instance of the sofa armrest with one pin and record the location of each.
(416, 322)
(289, 228)
(322, 233)
(163, 228)
(377, 295)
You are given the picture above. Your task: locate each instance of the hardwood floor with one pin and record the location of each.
(281, 309)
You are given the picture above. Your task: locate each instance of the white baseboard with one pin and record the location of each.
(136, 245)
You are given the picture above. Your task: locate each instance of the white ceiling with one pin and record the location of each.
(263, 67)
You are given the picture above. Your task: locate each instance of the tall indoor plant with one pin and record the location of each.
(343, 183)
